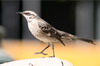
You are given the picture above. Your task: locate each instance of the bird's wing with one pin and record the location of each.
(66, 36)
(50, 31)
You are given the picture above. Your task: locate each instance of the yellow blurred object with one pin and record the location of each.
(80, 54)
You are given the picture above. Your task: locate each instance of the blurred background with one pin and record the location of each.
(78, 17)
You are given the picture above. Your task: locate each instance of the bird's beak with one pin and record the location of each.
(19, 12)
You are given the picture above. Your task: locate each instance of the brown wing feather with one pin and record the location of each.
(47, 28)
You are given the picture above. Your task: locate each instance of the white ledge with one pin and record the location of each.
(51, 61)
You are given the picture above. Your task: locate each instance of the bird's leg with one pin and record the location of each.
(53, 53)
(43, 50)
(53, 50)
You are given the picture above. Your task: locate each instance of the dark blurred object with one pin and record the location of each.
(60, 14)
(4, 57)
(2, 34)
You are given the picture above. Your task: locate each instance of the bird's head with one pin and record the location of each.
(28, 14)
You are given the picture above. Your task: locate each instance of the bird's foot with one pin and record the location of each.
(51, 56)
(41, 53)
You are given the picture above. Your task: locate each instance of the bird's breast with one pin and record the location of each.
(34, 29)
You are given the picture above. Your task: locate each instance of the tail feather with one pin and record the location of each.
(87, 40)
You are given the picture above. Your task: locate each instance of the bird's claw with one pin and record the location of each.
(52, 56)
(41, 53)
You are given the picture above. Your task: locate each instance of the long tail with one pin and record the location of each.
(87, 40)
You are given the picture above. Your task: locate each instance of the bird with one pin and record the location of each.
(46, 33)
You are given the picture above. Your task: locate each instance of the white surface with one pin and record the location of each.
(39, 62)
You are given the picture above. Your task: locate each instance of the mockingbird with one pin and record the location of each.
(43, 31)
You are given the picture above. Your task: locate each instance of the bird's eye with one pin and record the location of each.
(28, 14)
